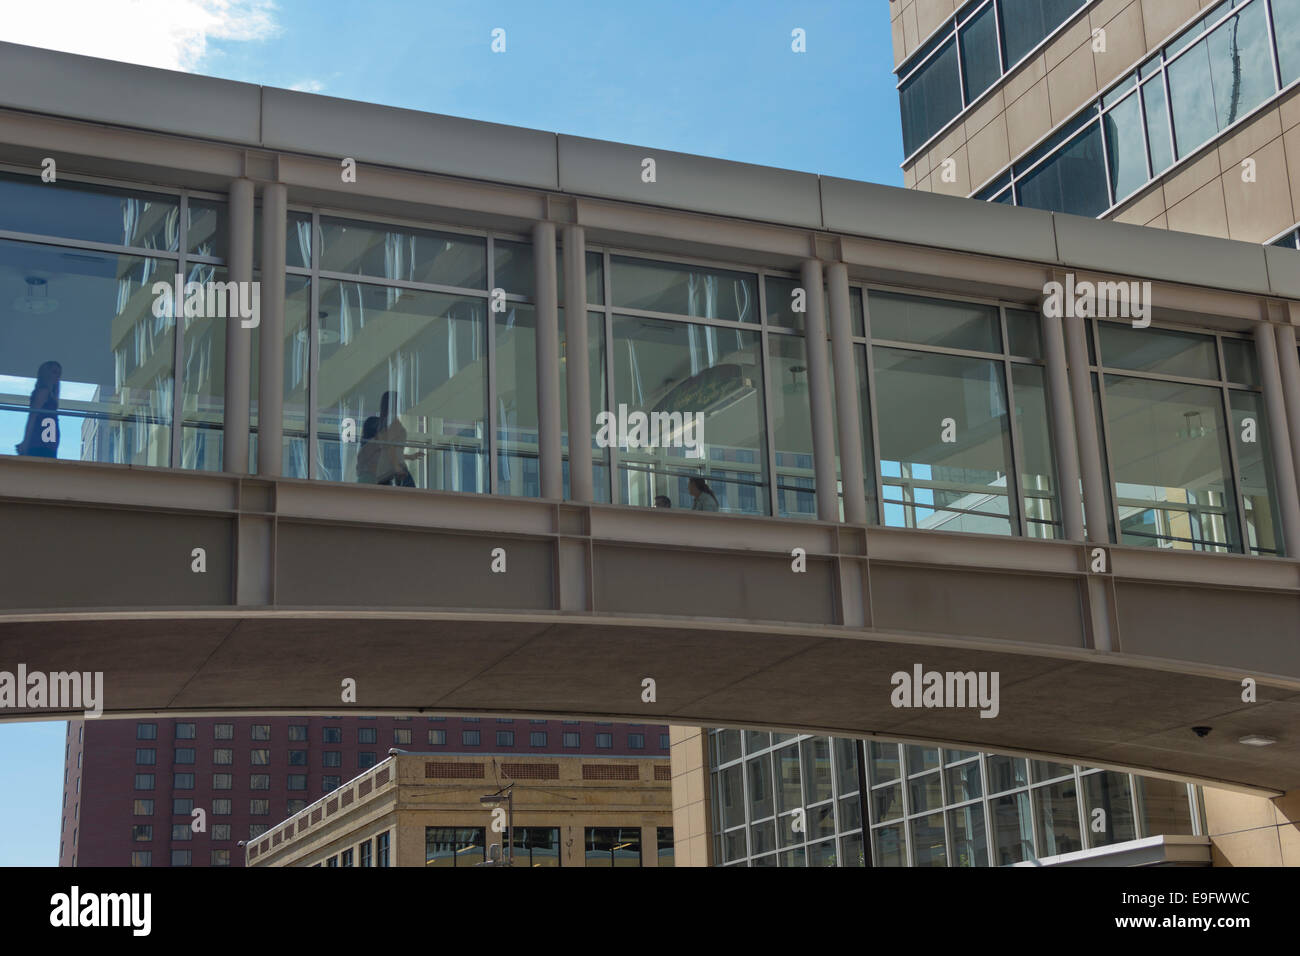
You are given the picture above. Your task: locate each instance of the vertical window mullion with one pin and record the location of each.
(1272, 46)
(313, 355)
(878, 477)
(490, 327)
(773, 494)
(178, 339)
(615, 482)
(1105, 160)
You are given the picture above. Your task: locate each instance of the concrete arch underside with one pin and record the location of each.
(1096, 709)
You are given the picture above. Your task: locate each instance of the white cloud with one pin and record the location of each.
(172, 34)
(308, 86)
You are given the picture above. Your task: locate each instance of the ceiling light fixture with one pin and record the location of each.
(1257, 740)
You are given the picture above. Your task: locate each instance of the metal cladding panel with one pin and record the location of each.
(388, 136)
(1033, 608)
(63, 557)
(1283, 270)
(592, 167)
(749, 587)
(1140, 252)
(104, 91)
(1259, 632)
(944, 222)
(341, 566)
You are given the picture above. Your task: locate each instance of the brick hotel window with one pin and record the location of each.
(221, 831)
(402, 735)
(259, 758)
(636, 741)
(142, 808)
(260, 732)
(220, 858)
(142, 858)
(221, 807)
(331, 735)
(537, 738)
(183, 781)
(505, 720)
(146, 731)
(223, 781)
(604, 741)
(144, 781)
(79, 756)
(366, 735)
(469, 738)
(297, 731)
(255, 830)
(259, 781)
(223, 757)
(365, 759)
(365, 853)
(332, 758)
(469, 720)
(575, 722)
(297, 758)
(572, 739)
(223, 731)
(438, 738)
(183, 755)
(664, 742)
(331, 783)
(259, 808)
(180, 857)
(142, 832)
(146, 755)
(295, 806)
(381, 849)
(346, 858)
(184, 731)
(505, 738)
(182, 806)
(181, 831)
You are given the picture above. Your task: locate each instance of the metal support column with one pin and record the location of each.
(1280, 435)
(819, 393)
(1085, 428)
(853, 481)
(1289, 365)
(270, 386)
(577, 364)
(549, 453)
(1063, 426)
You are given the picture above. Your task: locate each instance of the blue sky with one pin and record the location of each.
(711, 78)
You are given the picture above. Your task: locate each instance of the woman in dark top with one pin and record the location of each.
(41, 439)
(705, 499)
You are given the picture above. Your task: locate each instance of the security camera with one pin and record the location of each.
(1202, 731)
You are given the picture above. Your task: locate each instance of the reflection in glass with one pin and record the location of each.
(1038, 473)
(515, 413)
(1184, 354)
(970, 846)
(791, 416)
(1013, 835)
(945, 447)
(598, 401)
(1221, 78)
(619, 846)
(731, 796)
(789, 793)
(1072, 180)
(1170, 466)
(928, 848)
(760, 787)
(1006, 773)
(888, 847)
(86, 367)
(424, 350)
(1254, 463)
(964, 782)
(1057, 808)
(675, 370)
(1108, 792)
(1126, 148)
(537, 846)
(886, 803)
(1162, 806)
(689, 290)
(365, 249)
(816, 754)
(453, 846)
(1157, 118)
(939, 322)
(930, 97)
(979, 53)
(71, 210)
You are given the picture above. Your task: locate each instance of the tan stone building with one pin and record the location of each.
(415, 809)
